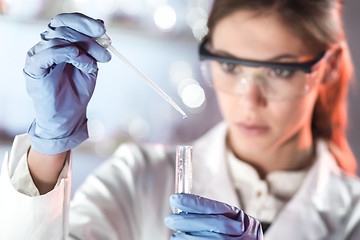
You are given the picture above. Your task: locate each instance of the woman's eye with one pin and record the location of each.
(281, 73)
(229, 67)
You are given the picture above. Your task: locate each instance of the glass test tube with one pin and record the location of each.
(183, 174)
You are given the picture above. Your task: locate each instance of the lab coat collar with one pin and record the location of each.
(319, 207)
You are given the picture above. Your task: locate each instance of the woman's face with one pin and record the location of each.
(257, 124)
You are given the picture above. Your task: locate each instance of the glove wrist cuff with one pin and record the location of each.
(57, 145)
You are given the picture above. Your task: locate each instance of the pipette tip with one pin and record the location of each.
(177, 108)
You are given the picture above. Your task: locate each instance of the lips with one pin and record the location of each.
(252, 129)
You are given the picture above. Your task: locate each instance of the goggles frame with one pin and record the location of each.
(306, 66)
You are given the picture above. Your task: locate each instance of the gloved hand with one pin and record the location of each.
(60, 73)
(203, 218)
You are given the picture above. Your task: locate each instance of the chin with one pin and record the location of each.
(250, 145)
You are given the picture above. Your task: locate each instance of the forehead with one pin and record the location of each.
(246, 34)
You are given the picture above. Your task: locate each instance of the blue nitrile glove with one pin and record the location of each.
(203, 218)
(60, 74)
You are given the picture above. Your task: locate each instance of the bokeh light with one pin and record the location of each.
(196, 18)
(191, 93)
(179, 71)
(165, 17)
(200, 29)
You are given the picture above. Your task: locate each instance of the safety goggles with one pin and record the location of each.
(276, 80)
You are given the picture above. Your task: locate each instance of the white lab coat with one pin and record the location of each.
(127, 197)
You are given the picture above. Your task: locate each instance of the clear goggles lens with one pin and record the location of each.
(274, 83)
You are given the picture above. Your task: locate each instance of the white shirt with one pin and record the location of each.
(263, 198)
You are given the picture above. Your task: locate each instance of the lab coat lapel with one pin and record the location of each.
(317, 208)
(210, 174)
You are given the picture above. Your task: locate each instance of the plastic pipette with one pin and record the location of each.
(105, 42)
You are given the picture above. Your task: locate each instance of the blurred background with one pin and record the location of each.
(161, 38)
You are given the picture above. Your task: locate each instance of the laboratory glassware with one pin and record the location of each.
(183, 171)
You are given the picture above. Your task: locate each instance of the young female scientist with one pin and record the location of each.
(280, 69)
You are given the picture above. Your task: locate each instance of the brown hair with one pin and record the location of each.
(319, 23)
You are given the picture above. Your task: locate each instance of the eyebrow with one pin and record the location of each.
(279, 57)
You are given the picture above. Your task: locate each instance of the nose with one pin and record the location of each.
(242, 84)
(249, 90)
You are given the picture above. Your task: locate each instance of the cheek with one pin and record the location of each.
(285, 116)
(227, 105)
(291, 116)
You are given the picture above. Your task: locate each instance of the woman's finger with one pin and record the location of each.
(86, 43)
(204, 223)
(196, 204)
(79, 22)
(39, 64)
